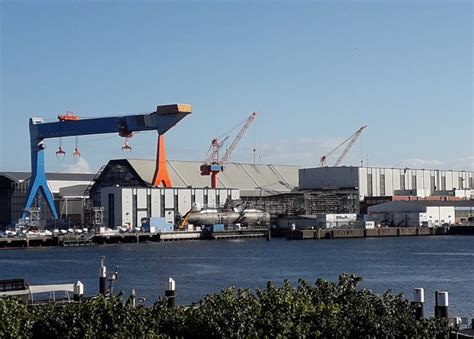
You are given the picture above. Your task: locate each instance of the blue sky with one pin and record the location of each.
(316, 71)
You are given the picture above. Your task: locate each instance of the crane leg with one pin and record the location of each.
(214, 179)
(161, 176)
(38, 182)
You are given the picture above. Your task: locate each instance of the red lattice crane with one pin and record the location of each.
(213, 165)
(350, 142)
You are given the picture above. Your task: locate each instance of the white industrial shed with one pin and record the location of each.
(125, 191)
(420, 213)
(379, 181)
(250, 179)
(64, 186)
(127, 206)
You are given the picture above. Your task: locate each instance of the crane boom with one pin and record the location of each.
(239, 136)
(352, 139)
(214, 148)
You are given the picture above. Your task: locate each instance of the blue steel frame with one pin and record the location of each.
(125, 125)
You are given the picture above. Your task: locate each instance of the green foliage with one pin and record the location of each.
(325, 309)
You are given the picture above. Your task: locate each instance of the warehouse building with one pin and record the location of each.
(72, 191)
(67, 188)
(128, 206)
(380, 182)
(422, 213)
(324, 220)
(250, 179)
(124, 188)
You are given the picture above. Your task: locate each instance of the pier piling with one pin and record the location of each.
(170, 293)
(102, 277)
(78, 291)
(419, 302)
(441, 304)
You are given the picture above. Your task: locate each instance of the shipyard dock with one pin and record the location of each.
(119, 238)
(143, 237)
(366, 233)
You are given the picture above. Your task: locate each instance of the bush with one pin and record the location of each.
(325, 309)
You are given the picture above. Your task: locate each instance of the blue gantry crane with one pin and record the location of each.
(164, 118)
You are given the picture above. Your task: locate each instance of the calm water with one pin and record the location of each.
(199, 267)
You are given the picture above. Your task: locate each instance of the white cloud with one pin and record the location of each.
(81, 166)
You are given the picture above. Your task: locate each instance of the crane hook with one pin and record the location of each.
(76, 154)
(60, 154)
(126, 146)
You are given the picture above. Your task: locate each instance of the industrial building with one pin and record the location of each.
(381, 182)
(422, 213)
(124, 188)
(67, 188)
(71, 191)
(324, 220)
(253, 180)
(128, 206)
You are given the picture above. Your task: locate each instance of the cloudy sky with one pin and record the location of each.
(316, 71)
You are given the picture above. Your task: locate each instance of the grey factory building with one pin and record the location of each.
(385, 182)
(281, 190)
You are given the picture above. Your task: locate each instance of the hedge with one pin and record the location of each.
(325, 309)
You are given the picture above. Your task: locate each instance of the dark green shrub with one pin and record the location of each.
(325, 309)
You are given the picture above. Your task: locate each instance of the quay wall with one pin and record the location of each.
(376, 232)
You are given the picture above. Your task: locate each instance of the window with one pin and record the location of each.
(470, 183)
(111, 210)
(433, 183)
(162, 207)
(461, 184)
(134, 211)
(382, 185)
(176, 202)
(205, 199)
(402, 182)
(413, 182)
(369, 185)
(443, 183)
(148, 205)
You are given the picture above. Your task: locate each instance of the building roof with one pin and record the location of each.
(16, 176)
(261, 179)
(22, 176)
(73, 191)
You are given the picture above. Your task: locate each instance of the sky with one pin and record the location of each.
(314, 70)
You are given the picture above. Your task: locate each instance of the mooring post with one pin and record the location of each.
(102, 276)
(170, 293)
(268, 235)
(78, 291)
(419, 302)
(133, 298)
(441, 304)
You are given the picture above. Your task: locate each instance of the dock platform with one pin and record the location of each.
(123, 238)
(369, 233)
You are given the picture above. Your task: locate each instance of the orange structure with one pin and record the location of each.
(69, 116)
(161, 176)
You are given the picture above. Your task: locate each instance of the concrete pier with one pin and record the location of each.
(366, 233)
(119, 238)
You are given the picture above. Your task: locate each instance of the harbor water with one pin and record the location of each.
(200, 267)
